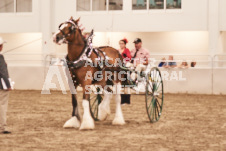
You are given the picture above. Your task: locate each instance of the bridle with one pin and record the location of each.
(72, 29)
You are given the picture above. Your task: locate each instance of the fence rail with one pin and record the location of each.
(203, 61)
(206, 77)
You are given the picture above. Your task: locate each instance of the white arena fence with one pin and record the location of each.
(24, 59)
(219, 61)
(29, 72)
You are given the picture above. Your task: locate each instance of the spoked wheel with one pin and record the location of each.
(154, 95)
(95, 100)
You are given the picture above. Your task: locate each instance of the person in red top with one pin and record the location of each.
(124, 51)
(125, 98)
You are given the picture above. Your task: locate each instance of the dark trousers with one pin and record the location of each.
(125, 98)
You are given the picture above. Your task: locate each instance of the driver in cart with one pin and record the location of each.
(139, 61)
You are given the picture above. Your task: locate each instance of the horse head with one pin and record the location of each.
(67, 32)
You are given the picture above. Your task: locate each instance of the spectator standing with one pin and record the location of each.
(4, 91)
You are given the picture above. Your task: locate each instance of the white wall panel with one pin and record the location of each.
(21, 22)
(193, 16)
(222, 16)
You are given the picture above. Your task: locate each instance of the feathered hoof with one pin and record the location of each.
(118, 121)
(87, 124)
(72, 123)
(103, 113)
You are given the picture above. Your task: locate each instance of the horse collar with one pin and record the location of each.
(83, 58)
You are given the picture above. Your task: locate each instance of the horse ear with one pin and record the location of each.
(76, 22)
(91, 33)
(71, 18)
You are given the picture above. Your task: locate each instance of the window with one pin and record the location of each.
(15, 6)
(153, 4)
(156, 4)
(7, 6)
(173, 4)
(139, 4)
(83, 5)
(99, 5)
(115, 4)
(23, 5)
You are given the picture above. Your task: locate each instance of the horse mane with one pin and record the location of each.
(80, 31)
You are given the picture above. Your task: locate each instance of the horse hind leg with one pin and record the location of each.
(119, 119)
(74, 122)
(104, 107)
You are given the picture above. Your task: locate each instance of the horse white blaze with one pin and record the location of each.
(87, 120)
(54, 36)
(118, 120)
(104, 107)
(63, 26)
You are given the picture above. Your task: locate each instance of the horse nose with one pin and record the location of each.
(57, 38)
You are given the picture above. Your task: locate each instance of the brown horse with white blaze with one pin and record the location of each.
(69, 33)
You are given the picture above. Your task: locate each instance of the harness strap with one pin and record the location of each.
(85, 56)
(101, 60)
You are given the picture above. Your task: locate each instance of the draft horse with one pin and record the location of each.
(70, 34)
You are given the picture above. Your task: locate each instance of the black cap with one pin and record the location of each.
(137, 40)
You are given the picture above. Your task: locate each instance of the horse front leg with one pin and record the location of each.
(119, 119)
(75, 111)
(87, 120)
(74, 122)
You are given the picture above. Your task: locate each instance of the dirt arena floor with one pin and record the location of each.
(188, 122)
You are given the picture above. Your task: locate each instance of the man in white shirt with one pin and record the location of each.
(139, 55)
(139, 58)
(4, 90)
